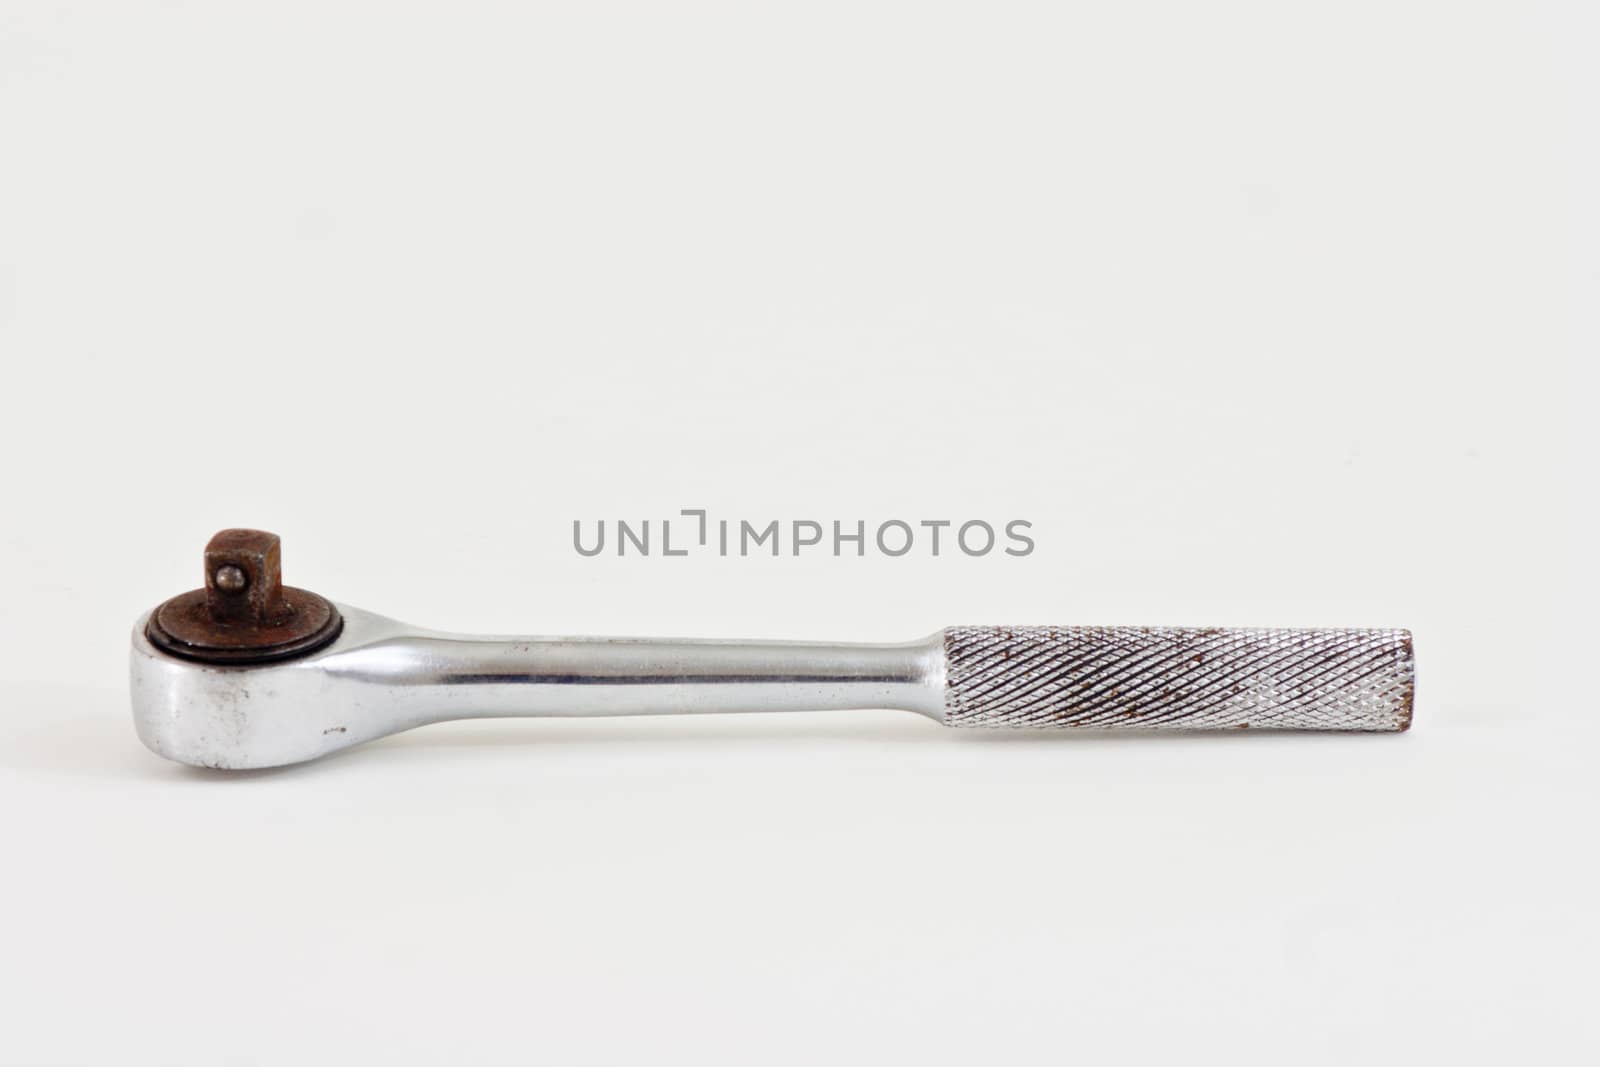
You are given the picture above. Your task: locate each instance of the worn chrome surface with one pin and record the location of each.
(1174, 678)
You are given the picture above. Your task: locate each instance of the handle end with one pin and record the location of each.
(1130, 677)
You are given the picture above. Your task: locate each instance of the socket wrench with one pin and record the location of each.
(246, 673)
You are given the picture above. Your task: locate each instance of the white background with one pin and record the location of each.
(1273, 314)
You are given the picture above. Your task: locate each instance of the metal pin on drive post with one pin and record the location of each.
(247, 672)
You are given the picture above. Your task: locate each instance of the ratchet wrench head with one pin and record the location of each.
(219, 672)
(287, 710)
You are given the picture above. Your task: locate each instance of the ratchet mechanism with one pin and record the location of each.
(247, 672)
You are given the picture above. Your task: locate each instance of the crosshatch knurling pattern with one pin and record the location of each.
(1043, 677)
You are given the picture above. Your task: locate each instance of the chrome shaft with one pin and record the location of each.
(461, 676)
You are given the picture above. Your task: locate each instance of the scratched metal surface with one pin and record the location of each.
(1047, 677)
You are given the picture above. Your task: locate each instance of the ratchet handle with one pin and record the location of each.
(1135, 677)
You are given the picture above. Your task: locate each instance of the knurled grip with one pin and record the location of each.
(1055, 677)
